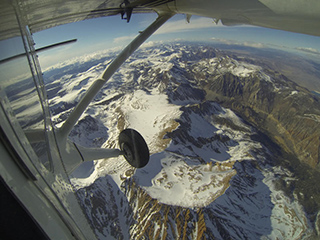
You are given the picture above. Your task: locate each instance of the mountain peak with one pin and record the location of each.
(214, 123)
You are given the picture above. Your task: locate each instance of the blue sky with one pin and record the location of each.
(108, 32)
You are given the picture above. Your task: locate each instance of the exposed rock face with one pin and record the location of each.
(289, 114)
(107, 209)
(161, 221)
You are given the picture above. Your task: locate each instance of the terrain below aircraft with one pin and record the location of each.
(37, 197)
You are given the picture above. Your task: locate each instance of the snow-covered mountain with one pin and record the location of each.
(211, 174)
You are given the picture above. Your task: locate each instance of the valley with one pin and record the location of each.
(234, 146)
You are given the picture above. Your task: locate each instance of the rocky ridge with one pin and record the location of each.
(209, 149)
(288, 113)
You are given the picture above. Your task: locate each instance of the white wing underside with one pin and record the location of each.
(289, 15)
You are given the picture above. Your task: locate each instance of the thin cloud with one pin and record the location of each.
(123, 39)
(246, 43)
(151, 44)
(254, 44)
(182, 25)
(308, 50)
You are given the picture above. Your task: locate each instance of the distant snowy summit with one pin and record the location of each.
(211, 120)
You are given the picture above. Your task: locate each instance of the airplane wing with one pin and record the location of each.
(40, 15)
(294, 15)
(289, 15)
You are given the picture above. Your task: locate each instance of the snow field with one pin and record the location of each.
(174, 175)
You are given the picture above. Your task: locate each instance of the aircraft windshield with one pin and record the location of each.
(18, 82)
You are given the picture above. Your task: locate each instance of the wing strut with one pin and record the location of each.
(109, 71)
(68, 149)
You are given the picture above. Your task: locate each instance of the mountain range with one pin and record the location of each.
(234, 145)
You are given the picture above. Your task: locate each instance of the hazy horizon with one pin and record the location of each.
(109, 32)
